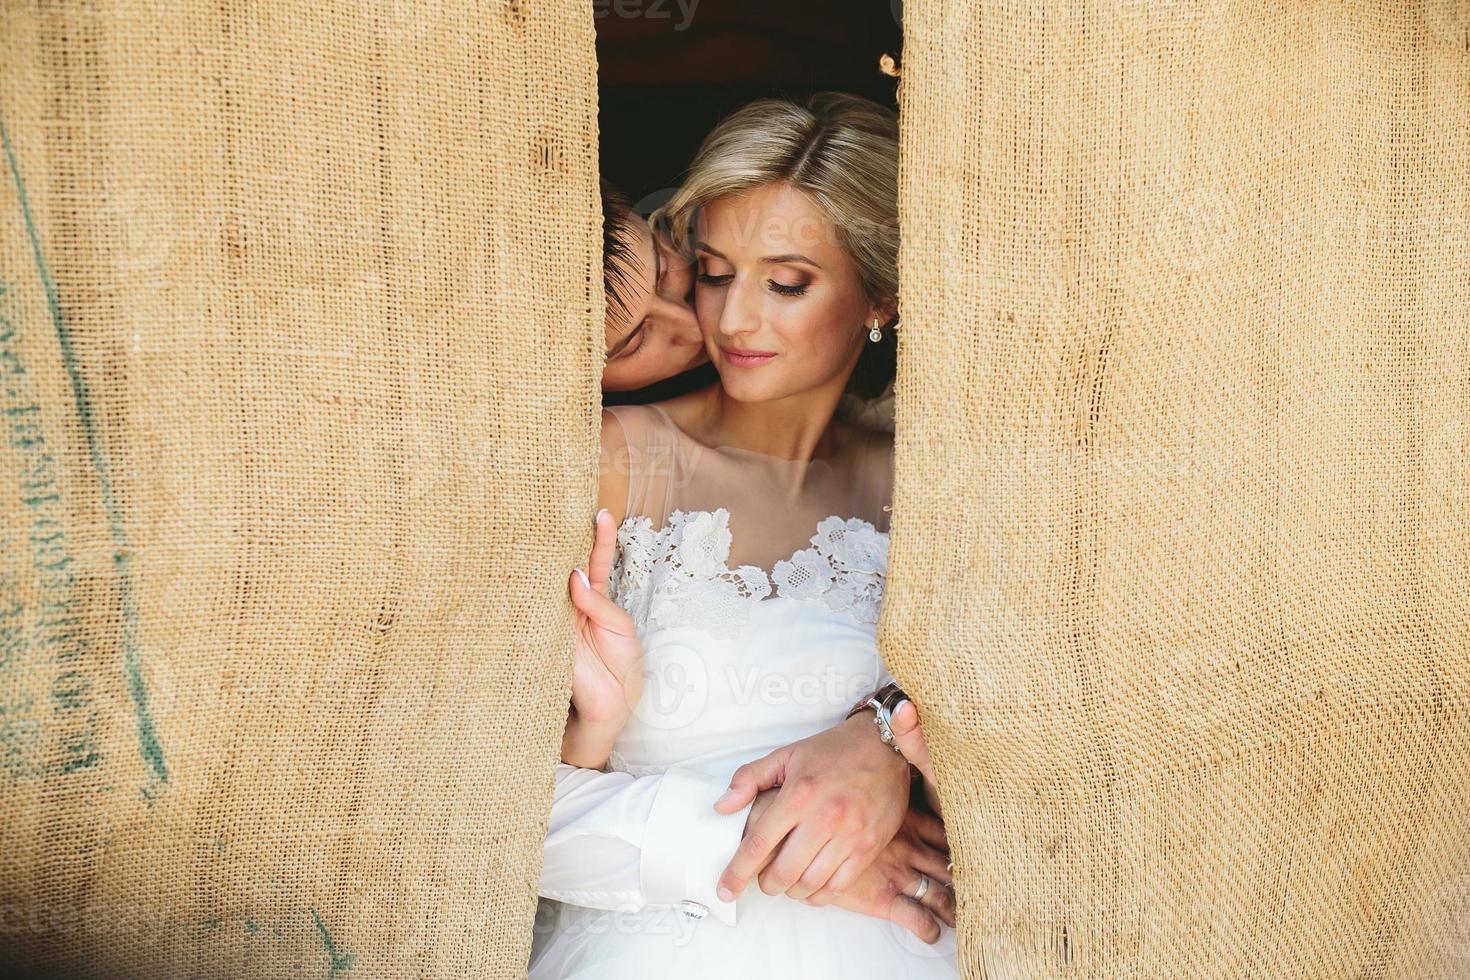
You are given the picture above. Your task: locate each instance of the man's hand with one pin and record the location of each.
(910, 740)
(885, 890)
(842, 797)
(763, 801)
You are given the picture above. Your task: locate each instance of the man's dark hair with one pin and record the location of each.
(618, 260)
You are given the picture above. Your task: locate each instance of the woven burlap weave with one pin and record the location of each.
(1180, 568)
(299, 301)
(299, 334)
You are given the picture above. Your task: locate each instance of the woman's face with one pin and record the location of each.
(781, 305)
(658, 337)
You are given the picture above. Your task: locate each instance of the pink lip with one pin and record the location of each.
(747, 358)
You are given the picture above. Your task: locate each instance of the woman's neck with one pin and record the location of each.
(799, 427)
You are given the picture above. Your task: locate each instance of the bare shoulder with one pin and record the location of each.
(876, 464)
(684, 410)
(635, 442)
(612, 465)
(876, 444)
(881, 460)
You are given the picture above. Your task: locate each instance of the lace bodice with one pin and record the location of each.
(755, 583)
(679, 575)
(738, 661)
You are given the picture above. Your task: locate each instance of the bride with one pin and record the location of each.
(751, 546)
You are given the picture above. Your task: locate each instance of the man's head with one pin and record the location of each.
(650, 328)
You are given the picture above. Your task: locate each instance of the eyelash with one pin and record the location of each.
(636, 345)
(778, 287)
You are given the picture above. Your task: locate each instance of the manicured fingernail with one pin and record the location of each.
(899, 707)
(725, 894)
(583, 576)
(729, 794)
(598, 516)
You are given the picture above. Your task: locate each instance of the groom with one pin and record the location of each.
(651, 335)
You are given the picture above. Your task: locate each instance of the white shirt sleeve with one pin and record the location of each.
(617, 841)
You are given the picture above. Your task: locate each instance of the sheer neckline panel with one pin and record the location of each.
(771, 505)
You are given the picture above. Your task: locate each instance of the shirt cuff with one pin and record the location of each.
(687, 843)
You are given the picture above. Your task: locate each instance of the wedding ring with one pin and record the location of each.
(923, 887)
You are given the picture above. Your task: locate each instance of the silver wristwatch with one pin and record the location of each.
(882, 701)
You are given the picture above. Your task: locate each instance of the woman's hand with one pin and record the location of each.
(842, 796)
(607, 660)
(885, 890)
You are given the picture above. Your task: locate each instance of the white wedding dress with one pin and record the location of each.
(755, 583)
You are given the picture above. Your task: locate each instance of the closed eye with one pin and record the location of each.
(630, 343)
(784, 289)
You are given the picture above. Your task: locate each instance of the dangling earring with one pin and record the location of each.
(875, 334)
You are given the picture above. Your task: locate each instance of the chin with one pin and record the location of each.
(739, 389)
(742, 390)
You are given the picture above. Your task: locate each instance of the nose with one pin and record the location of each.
(740, 312)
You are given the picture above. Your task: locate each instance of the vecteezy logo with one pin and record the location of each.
(414, 20)
(1449, 21)
(653, 200)
(1174, 14)
(1451, 915)
(1196, 226)
(675, 687)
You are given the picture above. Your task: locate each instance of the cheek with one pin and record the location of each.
(707, 306)
(615, 377)
(825, 321)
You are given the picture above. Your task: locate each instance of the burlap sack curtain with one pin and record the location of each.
(299, 340)
(1181, 543)
(297, 310)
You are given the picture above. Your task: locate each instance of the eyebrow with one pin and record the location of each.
(772, 259)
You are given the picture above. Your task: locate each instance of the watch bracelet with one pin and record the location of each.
(867, 699)
(889, 693)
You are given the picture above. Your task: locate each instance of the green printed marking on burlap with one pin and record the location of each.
(57, 632)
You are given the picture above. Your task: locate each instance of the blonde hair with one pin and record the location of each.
(840, 149)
